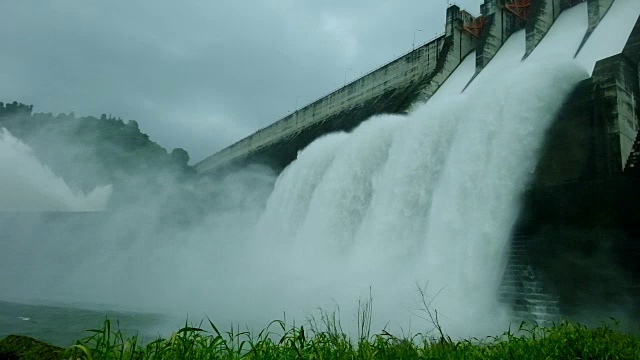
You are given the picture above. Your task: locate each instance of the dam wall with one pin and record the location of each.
(411, 78)
(390, 89)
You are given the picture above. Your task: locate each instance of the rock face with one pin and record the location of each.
(16, 347)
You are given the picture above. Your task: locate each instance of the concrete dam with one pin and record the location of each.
(499, 162)
(579, 226)
(412, 78)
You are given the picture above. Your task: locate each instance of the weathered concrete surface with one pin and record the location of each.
(597, 10)
(580, 214)
(543, 13)
(594, 134)
(500, 25)
(394, 87)
(391, 88)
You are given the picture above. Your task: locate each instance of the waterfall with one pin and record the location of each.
(400, 203)
(430, 197)
(30, 186)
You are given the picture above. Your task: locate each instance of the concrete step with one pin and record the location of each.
(536, 314)
(526, 281)
(540, 304)
(518, 248)
(515, 295)
(517, 269)
(527, 286)
(520, 279)
(528, 301)
(539, 310)
(541, 320)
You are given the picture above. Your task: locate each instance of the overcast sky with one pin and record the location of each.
(200, 74)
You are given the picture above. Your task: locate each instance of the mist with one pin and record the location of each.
(402, 203)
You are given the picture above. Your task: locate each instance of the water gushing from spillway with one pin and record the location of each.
(401, 202)
(30, 186)
(425, 199)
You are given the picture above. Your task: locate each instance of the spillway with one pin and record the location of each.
(477, 157)
(436, 195)
(433, 196)
(612, 33)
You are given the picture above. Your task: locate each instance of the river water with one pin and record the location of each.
(63, 325)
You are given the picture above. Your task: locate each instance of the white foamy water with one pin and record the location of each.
(611, 34)
(458, 80)
(293, 204)
(433, 199)
(30, 186)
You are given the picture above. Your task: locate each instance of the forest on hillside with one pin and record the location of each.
(89, 151)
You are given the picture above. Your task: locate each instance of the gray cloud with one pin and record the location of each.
(200, 75)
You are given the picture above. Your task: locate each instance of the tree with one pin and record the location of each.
(180, 157)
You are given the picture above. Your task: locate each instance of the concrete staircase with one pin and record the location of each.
(522, 289)
(633, 162)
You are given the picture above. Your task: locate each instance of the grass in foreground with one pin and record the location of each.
(562, 341)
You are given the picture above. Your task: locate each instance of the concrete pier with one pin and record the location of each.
(543, 14)
(597, 10)
(500, 25)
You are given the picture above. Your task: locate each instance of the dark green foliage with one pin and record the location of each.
(89, 151)
(277, 341)
(180, 157)
(25, 348)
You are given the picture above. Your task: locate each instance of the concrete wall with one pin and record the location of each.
(389, 89)
(597, 10)
(592, 138)
(500, 25)
(543, 14)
